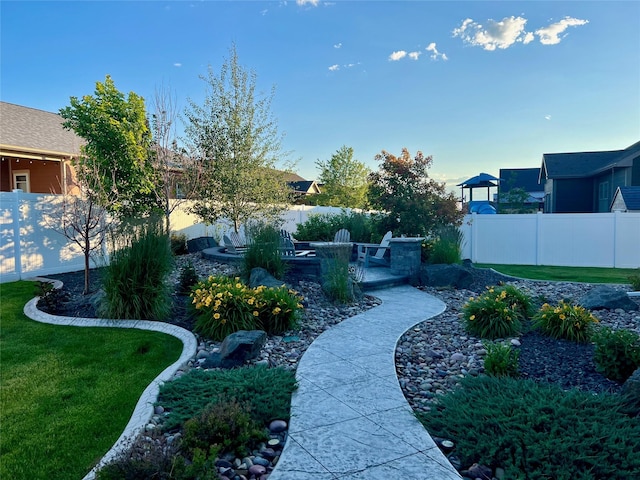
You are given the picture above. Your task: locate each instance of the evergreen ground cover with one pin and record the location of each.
(66, 392)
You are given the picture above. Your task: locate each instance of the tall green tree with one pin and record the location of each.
(416, 205)
(236, 144)
(345, 180)
(114, 164)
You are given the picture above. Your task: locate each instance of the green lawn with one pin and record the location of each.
(66, 393)
(567, 274)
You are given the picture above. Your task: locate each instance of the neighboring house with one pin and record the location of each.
(584, 182)
(525, 179)
(301, 187)
(626, 199)
(36, 151)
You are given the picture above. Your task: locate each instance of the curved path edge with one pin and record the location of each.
(143, 410)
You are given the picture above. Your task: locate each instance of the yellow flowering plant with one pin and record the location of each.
(564, 320)
(279, 309)
(222, 307)
(497, 313)
(225, 305)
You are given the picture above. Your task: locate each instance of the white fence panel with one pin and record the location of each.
(580, 240)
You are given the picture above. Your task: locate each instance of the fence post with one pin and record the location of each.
(474, 237)
(616, 219)
(538, 235)
(17, 222)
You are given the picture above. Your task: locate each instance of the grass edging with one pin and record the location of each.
(144, 408)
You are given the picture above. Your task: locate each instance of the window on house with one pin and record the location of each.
(603, 197)
(21, 180)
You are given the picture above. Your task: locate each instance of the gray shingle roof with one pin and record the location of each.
(585, 164)
(33, 129)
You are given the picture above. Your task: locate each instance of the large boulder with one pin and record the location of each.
(605, 297)
(456, 276)
(259, 276)
(631, 393)
(237, 348)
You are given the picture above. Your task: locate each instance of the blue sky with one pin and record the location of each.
(478, 85)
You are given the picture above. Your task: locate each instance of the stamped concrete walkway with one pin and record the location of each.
(349, 418)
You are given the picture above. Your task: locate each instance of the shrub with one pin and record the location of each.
(266, 391)
(495, 314)
(278, 309)
(337, 283)
(224, 305)
(538, 431)
(188, 278)
(617, 352)
(501, 360)
(634, 280)
(571, 322)
(179, 244)
(323, 227)
(135, 283)
(263, 251)
(446, 247)
(226, 426)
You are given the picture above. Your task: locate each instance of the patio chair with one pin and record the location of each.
(374, 253)
(236, 240)
(228, 244)
(287, 249)
(342, 236)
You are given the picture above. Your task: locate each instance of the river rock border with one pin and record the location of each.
(144, 408)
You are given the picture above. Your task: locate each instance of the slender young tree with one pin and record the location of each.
(415, 203)
(114, 164)
(345, 180)
(235, 142)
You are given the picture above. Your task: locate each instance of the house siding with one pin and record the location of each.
(635, 173)
(573, 195)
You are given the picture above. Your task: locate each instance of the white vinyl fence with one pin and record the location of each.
(563, 239)
(30, 246)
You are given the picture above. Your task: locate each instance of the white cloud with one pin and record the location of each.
(494, 35)
(435, 54)
(414, 55)
(547, 117)
(395, 56)
(177, 64)
(313, 3)
(338, 45)
(551, 35)
(334, 68)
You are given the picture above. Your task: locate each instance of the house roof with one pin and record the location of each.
(481, 180)
(586, 164)
(524, 178)
(30, 130)
(305, 186)
(631, 196)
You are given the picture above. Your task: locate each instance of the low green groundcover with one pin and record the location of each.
(537, 431)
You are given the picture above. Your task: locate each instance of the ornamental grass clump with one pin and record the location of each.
(501, 360)
(567, 321)
(497, 313)
(225, 305)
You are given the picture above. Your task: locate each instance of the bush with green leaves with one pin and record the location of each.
(536, 431)
(323, 227)
(188, 278)
(617, 352)
(278, 308)
(223, 306)
(337, 283)
(178, 244)
(225, 425)
(263, 250)
(501, 360)
(446, 246)
(135, 281)
(565, 320)
(497, 313)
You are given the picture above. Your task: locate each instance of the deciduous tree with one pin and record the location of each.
(416, 204)
(235, 143)
(345, 180)
(114, 164)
